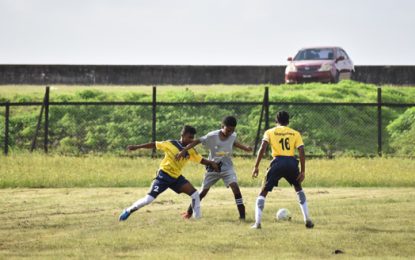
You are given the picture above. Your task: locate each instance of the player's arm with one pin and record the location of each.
(139, 146)
(242, 147)
(182, 153)
(301, 153)
(210, 163)
(259, 156)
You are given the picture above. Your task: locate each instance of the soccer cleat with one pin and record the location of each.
(309, 223)
(256, 226)
(124, 215)
(186, 215)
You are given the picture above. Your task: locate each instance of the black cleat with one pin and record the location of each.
(256, 226)
(309, 223)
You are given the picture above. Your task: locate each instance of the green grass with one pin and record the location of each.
(52, 171)
(361, 206)
(345, 91)
(82, 223)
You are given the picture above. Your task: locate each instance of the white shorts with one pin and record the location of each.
(211, 178)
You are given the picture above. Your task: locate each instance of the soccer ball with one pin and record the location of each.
(283, 214)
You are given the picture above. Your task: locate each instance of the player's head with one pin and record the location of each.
(187, 134)
(282, 118)
(228, 125)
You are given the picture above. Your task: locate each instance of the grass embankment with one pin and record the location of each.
(345, 91)
(83, 223)
(40, 171)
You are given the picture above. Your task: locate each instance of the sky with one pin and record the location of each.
(203, 32)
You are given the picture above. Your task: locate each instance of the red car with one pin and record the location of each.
(319, 64)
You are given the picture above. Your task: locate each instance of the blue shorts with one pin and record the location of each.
(281, 167)
(164, 181)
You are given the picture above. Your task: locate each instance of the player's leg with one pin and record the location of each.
(209, 180)
(238, 199)
(189, 211)
(259, 207)
(158, 186)
(303, 205)
(292, 179)
(271, 179)
(230, 180)
(194, 194)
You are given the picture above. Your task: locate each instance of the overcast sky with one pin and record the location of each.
(203, 32)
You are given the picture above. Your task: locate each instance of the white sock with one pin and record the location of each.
(303, 204)
(196, 205)
(140, 203)
(260, 203)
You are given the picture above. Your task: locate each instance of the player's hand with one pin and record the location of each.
(131, 148)
(180, 155)
(301, 177)
(215, 166)
(249, 149)
(255, 172)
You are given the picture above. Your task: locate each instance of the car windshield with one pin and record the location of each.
(315, 54)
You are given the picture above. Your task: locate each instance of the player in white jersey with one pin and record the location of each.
(220, 144)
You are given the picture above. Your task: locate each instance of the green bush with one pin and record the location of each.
(327, 130)
(402, 133)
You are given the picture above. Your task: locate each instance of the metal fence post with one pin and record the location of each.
(46, 119)
(266, 104)
(6, 129)
(153, 127)
(259, 124)
(379, 121)
(39, 122)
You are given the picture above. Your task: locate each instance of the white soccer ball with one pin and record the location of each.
(283, 214)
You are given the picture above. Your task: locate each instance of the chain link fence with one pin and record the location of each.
(328, 129)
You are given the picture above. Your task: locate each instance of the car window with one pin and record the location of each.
(343, 53)
(315, 54)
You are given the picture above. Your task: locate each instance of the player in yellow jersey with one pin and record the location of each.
(168, 175)
(283, 141)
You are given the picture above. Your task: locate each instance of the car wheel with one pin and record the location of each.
(336, 77)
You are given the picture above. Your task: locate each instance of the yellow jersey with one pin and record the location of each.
(283, 140)
(169, 164)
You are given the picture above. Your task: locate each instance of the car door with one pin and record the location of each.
(347, 66)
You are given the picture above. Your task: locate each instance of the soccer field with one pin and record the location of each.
(83, 223)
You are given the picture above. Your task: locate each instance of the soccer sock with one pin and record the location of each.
(240, 204)
(196, 205)
(140, 203)
(303, 204)
(260, 203)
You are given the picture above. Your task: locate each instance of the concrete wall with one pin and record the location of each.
(178, 75)
(395, 75)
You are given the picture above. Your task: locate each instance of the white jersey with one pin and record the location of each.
(219, 150)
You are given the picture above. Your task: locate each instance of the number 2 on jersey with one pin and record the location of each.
(285, 143)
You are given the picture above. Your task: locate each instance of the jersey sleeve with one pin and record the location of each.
(266, 136)
(204, 139)
(194, 156)
(298, 140)
(161, 145)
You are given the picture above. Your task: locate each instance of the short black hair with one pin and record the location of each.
(282, 118)
(187, 129)
(229, 121)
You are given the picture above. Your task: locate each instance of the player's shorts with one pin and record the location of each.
(164, 181)
(281, 167)
(211, 178)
